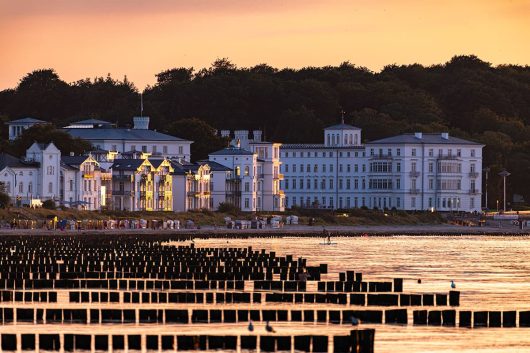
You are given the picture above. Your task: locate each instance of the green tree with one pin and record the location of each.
(47, 133)
(204, 137)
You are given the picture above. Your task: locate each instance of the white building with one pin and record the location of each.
(191, 185)
(328, 175)
(409, 172)
(81, 183)
(105, 136)
(253, 182)
(16, 127)
(425, 171)
(34, 177)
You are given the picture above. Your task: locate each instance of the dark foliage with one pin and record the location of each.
(466, 96)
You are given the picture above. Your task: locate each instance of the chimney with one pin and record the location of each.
(445, 135)
(141, 122)
(258, 135)
(242, 136)
(418, 135)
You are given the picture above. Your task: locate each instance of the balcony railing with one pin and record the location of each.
(121, 177)
(414, 191)
(121, 193)
(88, 175)
(448, 156)
(473, 192)
(414, 174)
(473, 174)
(381, 156)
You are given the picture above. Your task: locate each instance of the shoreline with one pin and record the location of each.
(292, 231)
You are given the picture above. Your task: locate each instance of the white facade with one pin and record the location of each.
(81, 185)
(34, 177)
(253, 180)
(105, 136)
(16, 127)
(408, 172)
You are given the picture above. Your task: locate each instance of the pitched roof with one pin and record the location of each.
(27, 120)
(121, 134)
(73, 160)
(126, 164)
(427, 138)
(232, 151)
(7, 160)
(214, 166)
(91, 122)
(342, 126)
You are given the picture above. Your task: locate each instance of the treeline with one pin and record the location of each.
(466, 96)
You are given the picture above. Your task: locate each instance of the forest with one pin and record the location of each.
(466, 96)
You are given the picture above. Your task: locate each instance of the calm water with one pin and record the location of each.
(492, 273)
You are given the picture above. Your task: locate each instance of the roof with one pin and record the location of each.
(73, 160)
(427, 138)
(232, 151)
(342, 126)
(91, 122)
(126, 164)
(318, 146)
(183, 167)
(27, 120)
(121, 134)
(214, 166)
(7, 160)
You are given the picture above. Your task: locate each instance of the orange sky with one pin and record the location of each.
(88, 38)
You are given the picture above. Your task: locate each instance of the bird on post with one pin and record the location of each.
(453, 285)
(269, 328)
(250, 326)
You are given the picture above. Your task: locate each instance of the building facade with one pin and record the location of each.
(408, 172)
(105, 136)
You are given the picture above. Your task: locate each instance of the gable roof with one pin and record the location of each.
(27, 120)
(427, 138)
(121, 134)
(7, 160)
(127, 164)
(214, 166)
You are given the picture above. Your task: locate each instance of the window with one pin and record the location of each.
(472, 202)
(20, 187)
(431, 184)
(294, 168)
(323, 168)
(247, 203)
(315, 184)
(413, 152)
(398, 152)
(431, 167)
(247, 186)
(398, 184)
(431, 152)
(294, 186)
(301, 184)
(308, 184)
(247, 171)
(164, 149)
(472, 168)
(348, 184)
(340, 184)
(144, 149)
(356, 183)
(315, 168)
(286, 168)
(181, 150)
(154, 149)
(348, 169)
(30, 187)
(331, 183)
(308, 168)
(413, 167)
(331, 168)
(459, 152)
(356, 168)
(50, 188)
(323, 184)
(472, 153)
(413, 202)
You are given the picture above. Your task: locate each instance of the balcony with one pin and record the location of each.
(261, 176)
(448, 157)
(121, 177)
(474, 192)
(414, 191)
(88, 175)
(278, 176)
(381, 156)
(121, 193)
(414, 174)
(473, 174)
(280, 193)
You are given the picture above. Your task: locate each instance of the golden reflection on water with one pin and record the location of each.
(492, 273)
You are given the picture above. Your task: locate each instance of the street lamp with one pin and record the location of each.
(504, 173)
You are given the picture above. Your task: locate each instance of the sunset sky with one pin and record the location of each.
(139, 38)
